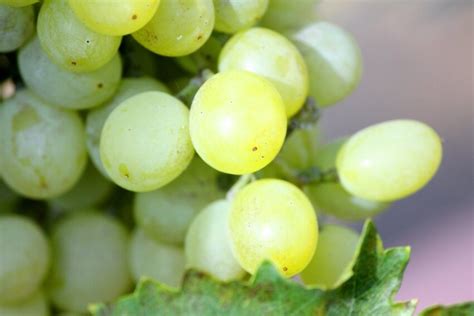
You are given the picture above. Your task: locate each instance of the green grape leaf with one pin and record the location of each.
(376, 278)
(464, 309)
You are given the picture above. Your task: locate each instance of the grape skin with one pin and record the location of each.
(236, 15)
(18, 3)
(35, 305)
(237, 122)
(285, 15)
(273, 220)
(16, 26)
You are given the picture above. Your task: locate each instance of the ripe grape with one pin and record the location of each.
(18, 3)
(273, 220)
(16, 26)
(236, 15)
(334, 61)
(43, 152)
(165, 214)
(112, 18)
(331, 262)
(207, 245)
(237, 122)
(178, 28)
(71, 44)
(63, 88)
(389, 160)
(89, 261)
(145, 141)
(96, 118)
(35, 305)
(284, 15)
(270, 55)
(152, 259)
(24, 258)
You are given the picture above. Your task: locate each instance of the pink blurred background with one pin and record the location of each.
(418, 63)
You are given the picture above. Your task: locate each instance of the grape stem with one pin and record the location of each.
(307, 117)
(239, 184)
(189, 91)
(315, 175)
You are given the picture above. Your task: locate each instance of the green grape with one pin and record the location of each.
(43, 152)
(114, 18)
(178, 28)
(89, 261)
(35, 305)
(8, 198)
(207, 245)
(331, 198)
(96, 118)
(69, 43)
(164, 150)
(16, 26)
(165, 214)
(269, 54)
(332, 260)
(24, 258)
(390, 160)
(236, 15)
(91, 189)
(334, 61)
(237, 122)
(61, 87)
(152, 259)
(273, 220)
(284, 15)
(18, 3)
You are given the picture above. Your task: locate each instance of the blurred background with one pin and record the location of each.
(418, 63)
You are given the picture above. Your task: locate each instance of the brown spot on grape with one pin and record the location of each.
(100, 85)
(134, 17)
(285, 269)
(254, 148)
(199, 37)
(73, 63)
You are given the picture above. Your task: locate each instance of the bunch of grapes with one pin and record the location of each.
(121, 147)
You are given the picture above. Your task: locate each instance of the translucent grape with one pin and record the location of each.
(91, 189)
(164, 150)
(61, 87)
(71, 44)
(284, 15)
(152, 259)
(16, 26)
(89, 261)
(96, 118)
(332, 260)
(43, 152)
(237, 122)
(178, 28)
(35, 305)
(8, 198)
(18, 3)
(269, 54)
(207, 245)
(331, 198)
(24, 257)
(273, 220)
(390, 160)
(236, 15)
(334, 61)
(165, 214)
(112, 18)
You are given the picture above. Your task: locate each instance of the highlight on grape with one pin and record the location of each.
(146, 138)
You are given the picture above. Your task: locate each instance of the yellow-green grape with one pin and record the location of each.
(332, 260)
(96, 118)
(18, 3)
(331, 198)
(90, 262)
(178, 28)
(112, 17)
(71, 44)
(8, 198)
(16, 26)
(284, 15)
(35, 305)
(152, 259)
(269, 54)
(64, 88)
(237, 122)
(390, 160)
(24, 258)
(273, 220)
(236, 15)
(208, 246)
(334, 61)
(43, 152)
(91, 190)
(165, 214)
(145, 141)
